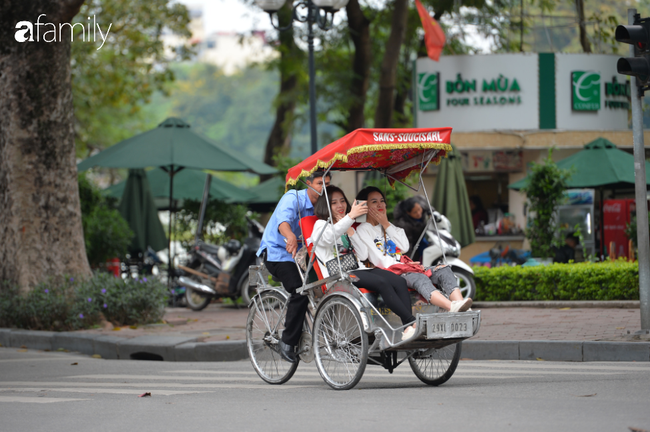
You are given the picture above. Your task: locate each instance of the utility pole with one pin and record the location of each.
(637, 34)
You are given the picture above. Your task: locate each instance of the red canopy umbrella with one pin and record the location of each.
(394, 152)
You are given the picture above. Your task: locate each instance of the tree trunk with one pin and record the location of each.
(388, 77)
(279, 141)
(580, 7)
(359, 27)
(40, 216)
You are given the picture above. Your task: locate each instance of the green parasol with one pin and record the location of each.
(188, 184)
(599, 165)
(450, 198)
(138, 209)
(173, 146)
(268, 194)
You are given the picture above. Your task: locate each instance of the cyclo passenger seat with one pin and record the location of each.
(307, 225)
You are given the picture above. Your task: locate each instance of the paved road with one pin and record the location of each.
(44, 388)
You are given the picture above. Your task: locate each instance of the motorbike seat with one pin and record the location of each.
(208, 248)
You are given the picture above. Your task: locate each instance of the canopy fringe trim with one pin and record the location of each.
(366, 148)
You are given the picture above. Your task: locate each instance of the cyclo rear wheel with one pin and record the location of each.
(340, 344)
(435, 366)
(264, 328)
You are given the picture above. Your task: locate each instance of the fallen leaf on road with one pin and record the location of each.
(587, 395)
(74, 364)
(22, 350)
(116, 329)
(227, 337)
(147, 394)
(133, 327)
(23, 346)
(96, 356)
(206, 333)
(564, 308)
(620, 328)
(540, 359)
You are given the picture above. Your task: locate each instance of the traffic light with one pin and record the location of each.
(637, 35)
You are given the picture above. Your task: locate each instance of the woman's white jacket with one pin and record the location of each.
(325, 248)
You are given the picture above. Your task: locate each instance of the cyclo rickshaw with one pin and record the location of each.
(346, 327)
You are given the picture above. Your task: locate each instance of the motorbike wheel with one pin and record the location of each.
(195, 300)
(247, 291)
(466, 282)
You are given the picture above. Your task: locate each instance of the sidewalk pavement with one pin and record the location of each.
(561, 331)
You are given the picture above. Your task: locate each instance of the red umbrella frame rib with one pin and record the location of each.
(397, 152)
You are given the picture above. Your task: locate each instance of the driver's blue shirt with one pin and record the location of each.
(292, 206)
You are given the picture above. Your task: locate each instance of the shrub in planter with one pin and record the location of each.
(67, 304)
(617, 280)
(545, 191)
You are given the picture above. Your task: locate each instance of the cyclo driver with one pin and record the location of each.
(279, 246)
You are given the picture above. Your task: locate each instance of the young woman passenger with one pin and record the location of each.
(338, 237)
(385, 243)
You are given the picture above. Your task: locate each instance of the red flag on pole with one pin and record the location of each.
(434, 37)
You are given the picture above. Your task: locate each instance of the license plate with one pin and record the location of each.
(448, 327)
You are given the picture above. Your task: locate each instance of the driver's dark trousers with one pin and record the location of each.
(287, 273)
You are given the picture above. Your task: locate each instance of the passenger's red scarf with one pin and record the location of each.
(407, 265)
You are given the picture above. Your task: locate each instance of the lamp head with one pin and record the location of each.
(270, 5)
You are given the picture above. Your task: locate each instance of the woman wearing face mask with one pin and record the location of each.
(338, 238)
(386, 244)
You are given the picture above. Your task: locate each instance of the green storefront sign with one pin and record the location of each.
(429, 91)
(585, 90)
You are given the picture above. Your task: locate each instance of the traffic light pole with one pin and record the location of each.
(640, 195)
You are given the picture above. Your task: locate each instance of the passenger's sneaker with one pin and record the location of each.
(408, 333)
(461, 305)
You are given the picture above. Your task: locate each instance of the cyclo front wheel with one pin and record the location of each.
(340, 344)
(435, 366)
(264, 328)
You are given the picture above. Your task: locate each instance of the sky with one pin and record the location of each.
(234, 16)
(231, 16)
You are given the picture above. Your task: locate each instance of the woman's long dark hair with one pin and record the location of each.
(365, 192)
(322, 206)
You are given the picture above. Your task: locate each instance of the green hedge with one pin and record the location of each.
(68, 304)
(617, 280)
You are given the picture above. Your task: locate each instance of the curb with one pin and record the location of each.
(557, 304)
(575, 351)
(187, 349)
(152, 347)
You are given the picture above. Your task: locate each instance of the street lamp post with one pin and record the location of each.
(321, 13)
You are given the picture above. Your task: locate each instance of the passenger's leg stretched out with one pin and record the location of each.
(443, 278)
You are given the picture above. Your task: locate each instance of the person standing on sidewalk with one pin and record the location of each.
(278, 249)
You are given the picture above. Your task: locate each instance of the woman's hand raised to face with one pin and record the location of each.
(380, 217)
(358, 208)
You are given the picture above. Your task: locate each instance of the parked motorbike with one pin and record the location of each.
(433, 254)
(221, 271)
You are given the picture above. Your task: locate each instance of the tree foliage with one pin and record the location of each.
(111, 84)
